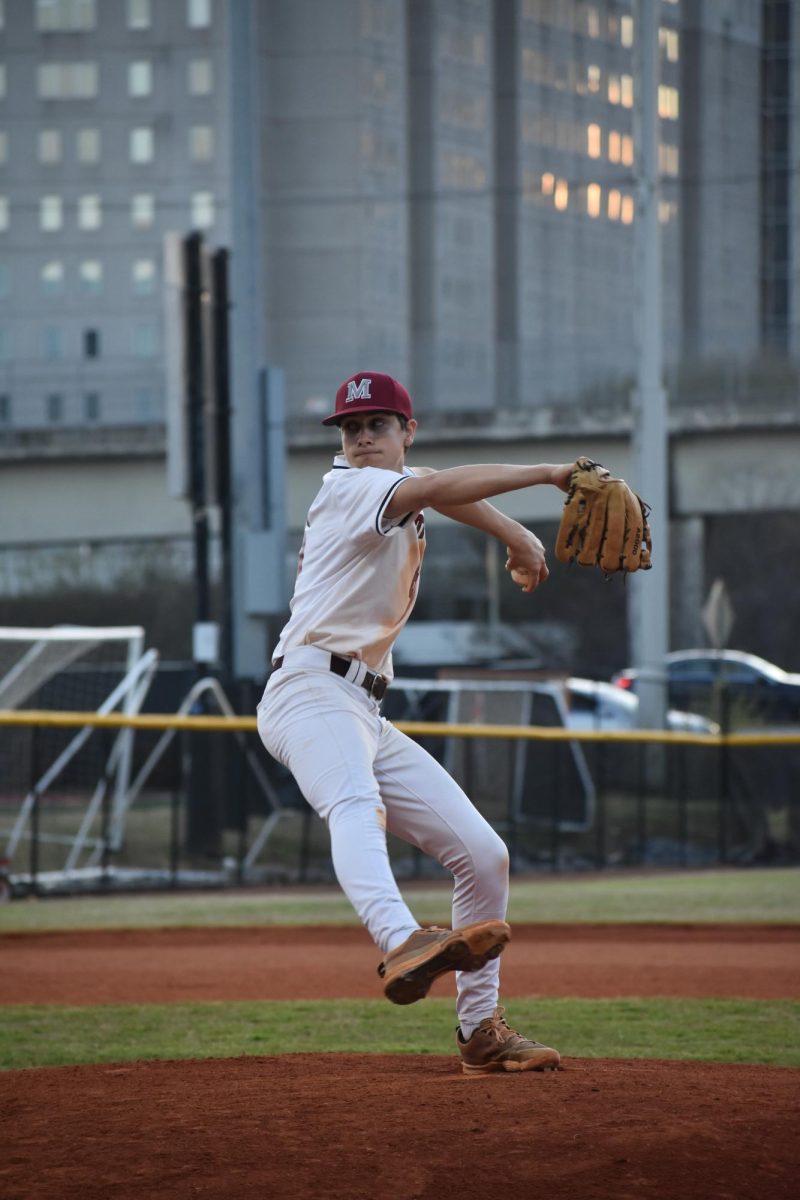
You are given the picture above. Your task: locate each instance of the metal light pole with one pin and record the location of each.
(649, 608)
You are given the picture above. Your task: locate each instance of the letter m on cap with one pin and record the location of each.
(358, 391)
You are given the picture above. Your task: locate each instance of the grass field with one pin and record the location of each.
(713, 1030)
(722, 895)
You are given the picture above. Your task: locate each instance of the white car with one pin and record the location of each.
(593, 704)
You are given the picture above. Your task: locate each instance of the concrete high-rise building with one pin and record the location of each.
(446, 190)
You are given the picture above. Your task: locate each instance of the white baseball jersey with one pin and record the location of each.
(358, 571)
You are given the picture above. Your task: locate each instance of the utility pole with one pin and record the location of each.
(649, 600)
(257, 438)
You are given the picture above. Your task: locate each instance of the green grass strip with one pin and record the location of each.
(733, 1031)
(680, 896)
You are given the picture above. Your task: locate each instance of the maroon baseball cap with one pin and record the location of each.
(370, 391)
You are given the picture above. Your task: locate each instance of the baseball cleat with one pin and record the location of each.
(409, 970)
(495, 1047)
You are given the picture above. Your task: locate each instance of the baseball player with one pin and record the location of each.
(357, 580)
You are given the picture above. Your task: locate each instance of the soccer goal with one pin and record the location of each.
(78, 779)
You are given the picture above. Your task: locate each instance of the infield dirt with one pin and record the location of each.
(343, 1127)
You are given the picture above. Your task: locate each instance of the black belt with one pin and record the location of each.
(376, 685)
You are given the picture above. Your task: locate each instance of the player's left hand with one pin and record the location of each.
(526, 563)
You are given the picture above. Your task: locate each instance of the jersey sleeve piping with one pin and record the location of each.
(384, 504)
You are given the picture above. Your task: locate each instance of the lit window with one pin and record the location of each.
(143, 276)
(49, 145)
(626, 90)
(90, 277)
(592, 25)
(51, 213)
(669, 44)
(613, 89)
(140, 78)
(614, 205)
(668, 159)
(593, 78)
(201, 143)
(202, 210)
(626, 31)
(90, 212)
(144, 339)
(200, 77)
(548, 184)
(3, 147)
(52, 344)
(593, 141)
(5, 402)
(666, 211)
(594, 199)
(91, 406)
(65, 16)
(198, 13)
(561, 194)
(88, 145)
(52, 278)
(91, 343)
(141, 145)
(627, 210)
(54, 408)
(627, 150)
(614, 146)
(668, 104)
(143, 210)
(139, 15)
(4, 214)
(67, 81)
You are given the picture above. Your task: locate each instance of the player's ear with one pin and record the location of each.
(411, 429)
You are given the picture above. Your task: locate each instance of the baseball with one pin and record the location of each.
(521, 576)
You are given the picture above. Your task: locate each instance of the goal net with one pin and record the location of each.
(69, 782)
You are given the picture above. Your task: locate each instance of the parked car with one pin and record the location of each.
(596, 705)
(718, 682)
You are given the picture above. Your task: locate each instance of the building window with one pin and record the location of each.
(626, 91)
(626, 150)
(52, 342)
(614, 204)
(669, 43)
(200, 77)
(5, 409)
(141, 145)
(90, 277)
(145, 403)
(144, 339)
(594, 140)
(202, 214)
(67, 81)
(52, 278)
(142, 210)
(90, 212)
(201, 143)
(54, 408)
(51, 213)
(88, 145)
(91, 406)
(139, 14)
(198, 13)
(3, 147)
(49, 146)
(626, 31)
(668, 104)
(65, 16)
(91, 343)
(143, 276)
(140, 78)
(627, 210)
(5, 215)
(594, 199)
(561, 194)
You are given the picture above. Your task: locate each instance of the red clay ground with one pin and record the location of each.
(341, 1127)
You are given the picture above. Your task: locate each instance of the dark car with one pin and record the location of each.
(730, 686)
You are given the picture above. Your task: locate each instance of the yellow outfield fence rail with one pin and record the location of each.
(96, 801)
(224, 724)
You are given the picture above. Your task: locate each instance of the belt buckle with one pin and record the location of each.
(377, 685)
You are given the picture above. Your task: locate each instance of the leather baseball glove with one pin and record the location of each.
(603, 523)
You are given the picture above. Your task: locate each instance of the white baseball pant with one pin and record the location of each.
(364, 777)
